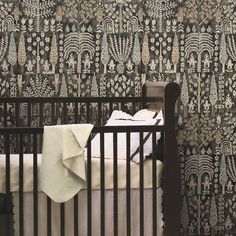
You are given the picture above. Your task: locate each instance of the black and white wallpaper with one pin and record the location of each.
(111, 47)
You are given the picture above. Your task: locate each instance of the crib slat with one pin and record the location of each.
(141, 185)
(89, 193)
(122, 106)
(17, 113)
(62, 214)
(102, 186)
(5, 114)
(154, 185)
(115, 184)
(21, 187)
(35, 187)
(99, 114)
(64, 113)
(110, 108)
(40, 114)
(133, 107)
(49, 215)
(8, 186)
(76, 220)
(76, 113)
(29, 113)
(87, 112)
(128, 220)
(53, 113)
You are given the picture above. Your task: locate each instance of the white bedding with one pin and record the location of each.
(120, 118)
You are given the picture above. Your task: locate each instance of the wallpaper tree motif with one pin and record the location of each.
(111, 47)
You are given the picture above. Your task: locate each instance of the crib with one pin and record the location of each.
(121, 197)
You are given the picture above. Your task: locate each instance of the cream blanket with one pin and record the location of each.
(63, 172)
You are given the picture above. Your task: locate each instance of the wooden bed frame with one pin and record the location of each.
(155, 95)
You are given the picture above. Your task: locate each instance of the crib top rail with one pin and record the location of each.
(96, 129)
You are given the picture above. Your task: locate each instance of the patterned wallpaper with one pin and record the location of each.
(110, 47)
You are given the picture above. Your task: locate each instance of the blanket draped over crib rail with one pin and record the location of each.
(62, 172)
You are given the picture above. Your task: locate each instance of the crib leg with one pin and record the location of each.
(6, 218)
(3, 225)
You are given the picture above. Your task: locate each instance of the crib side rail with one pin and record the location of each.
(20, 133)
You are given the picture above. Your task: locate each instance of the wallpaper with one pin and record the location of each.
(111, 47)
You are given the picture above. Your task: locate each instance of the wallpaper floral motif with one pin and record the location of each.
(110, 47)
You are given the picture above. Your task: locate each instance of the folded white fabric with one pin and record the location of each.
(120, 118)
(62, 172)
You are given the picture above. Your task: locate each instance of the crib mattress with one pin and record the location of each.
(95, 165)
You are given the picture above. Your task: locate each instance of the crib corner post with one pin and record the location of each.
(171, 179)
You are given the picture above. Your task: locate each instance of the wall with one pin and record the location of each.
(108, 48)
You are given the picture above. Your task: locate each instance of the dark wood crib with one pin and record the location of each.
(21, 133)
